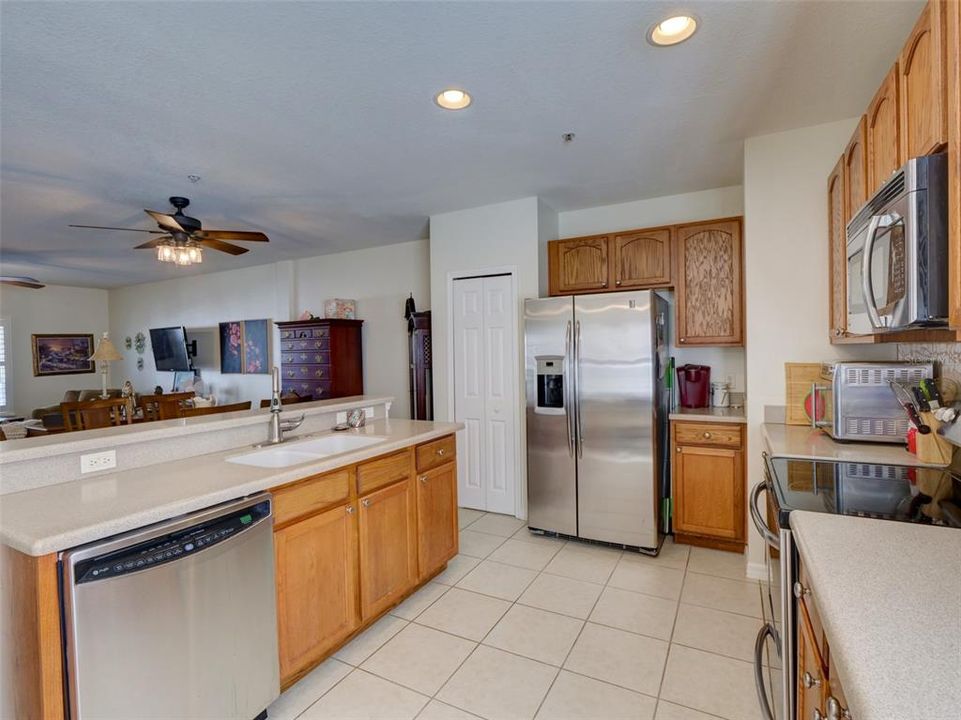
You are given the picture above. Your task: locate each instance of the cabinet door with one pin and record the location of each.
(642, 259)
(579, 265)
(856, 171)
(316, 565)
(387, 551)
(837, 252)
(883, 129)
(709, 492)
(710, 299)
(923, 87)
(436, 518)
(811, 685)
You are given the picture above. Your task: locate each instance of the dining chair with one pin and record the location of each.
(91, 414)
(164, 407)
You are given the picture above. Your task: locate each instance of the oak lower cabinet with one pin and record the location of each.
(436, 518)
(708, 478)
(351, 543)
(316, 567)
(709, 283)
(388, 559)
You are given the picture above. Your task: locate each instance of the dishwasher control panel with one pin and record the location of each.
(168, 548)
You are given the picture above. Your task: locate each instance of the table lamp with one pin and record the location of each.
(105, 353)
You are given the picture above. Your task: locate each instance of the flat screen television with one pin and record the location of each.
(170, 348)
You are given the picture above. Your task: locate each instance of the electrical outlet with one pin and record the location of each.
(341, 418)
(369, 413)
(94, 462)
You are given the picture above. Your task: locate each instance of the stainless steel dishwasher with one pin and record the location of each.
(175, 620)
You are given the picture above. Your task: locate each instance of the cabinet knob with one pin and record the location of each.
(835, 711)
(683, 340)
(679, 448)
(442, 452)
(817, 715)
(350, 509)
(605, 284)
(423, 478)
(838, 332)
(618, 283)
(800, 591)
(707, 436)
(365, 502)
(809, 681)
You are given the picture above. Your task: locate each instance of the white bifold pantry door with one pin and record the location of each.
(484, 394)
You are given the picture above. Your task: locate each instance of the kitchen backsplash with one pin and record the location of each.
(947, 354)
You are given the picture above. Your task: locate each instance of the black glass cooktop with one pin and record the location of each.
(890, 492)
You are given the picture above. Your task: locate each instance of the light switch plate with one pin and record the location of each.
(94, 462)
(341, 418)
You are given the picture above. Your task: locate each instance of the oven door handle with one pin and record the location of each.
(867, 284)
(769, 537)
(762, 636)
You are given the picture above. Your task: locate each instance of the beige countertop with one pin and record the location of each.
(889, 595)
(800, 441)
(710, 414)
(56, 517)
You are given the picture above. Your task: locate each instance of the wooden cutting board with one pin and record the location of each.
(798, 378)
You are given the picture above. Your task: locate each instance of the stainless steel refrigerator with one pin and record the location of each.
(597, 413)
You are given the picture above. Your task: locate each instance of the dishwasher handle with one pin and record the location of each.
(167, 542)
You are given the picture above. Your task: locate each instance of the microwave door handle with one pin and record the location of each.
(867, 284)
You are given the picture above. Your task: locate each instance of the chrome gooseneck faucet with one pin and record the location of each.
(275, 426)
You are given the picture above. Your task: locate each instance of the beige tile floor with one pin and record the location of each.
(522, 627)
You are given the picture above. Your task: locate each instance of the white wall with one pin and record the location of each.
(786, 252)
(380, 279)
(547, 230)
(52, 309)
(199, 303)
(725, 363)
(499, 237)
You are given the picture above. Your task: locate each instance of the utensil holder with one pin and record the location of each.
(932, 448)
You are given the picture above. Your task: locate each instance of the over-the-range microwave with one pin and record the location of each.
(897, 252)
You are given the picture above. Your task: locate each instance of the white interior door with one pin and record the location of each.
(485, 397)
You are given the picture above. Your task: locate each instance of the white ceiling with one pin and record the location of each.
(313, 122)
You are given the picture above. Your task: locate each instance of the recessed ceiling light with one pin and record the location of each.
(453, 99)
(672, 31)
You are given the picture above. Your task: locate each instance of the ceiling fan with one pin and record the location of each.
(21, 281)
(182, 238)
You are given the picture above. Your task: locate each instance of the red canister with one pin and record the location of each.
(694, 384)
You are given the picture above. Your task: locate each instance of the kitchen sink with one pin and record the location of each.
(303, 451)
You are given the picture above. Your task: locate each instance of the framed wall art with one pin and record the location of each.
(62, 354)
(245, 347)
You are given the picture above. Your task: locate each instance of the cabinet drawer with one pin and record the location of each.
(437, 452)
(308, 496)
(309, 357)
(696, 433)
(305, 344)
(318, 390)
(383, 471)
(306, 372)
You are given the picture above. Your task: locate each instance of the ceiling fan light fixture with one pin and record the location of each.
(672, 30)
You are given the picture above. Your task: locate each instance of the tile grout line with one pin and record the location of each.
(670, 641)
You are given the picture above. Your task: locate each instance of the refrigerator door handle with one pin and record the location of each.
(568, 388)
(579, 427)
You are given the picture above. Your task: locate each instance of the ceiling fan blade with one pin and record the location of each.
(20, 281)
(102, 227)
(152, 243)
(222, 246)
(231, 235)
(167, 222)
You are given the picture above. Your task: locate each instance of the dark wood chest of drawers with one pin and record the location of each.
(321, 358)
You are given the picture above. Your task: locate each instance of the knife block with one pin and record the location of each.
(932, 448)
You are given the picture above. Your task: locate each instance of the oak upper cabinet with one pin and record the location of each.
(883, 130)
(579, 265)
(923, 84)
(641, 259)
(388, 553)
(856, 171)
(316, 566)
(708, 283)
(708, 476)
(436, 518)
(837, 252)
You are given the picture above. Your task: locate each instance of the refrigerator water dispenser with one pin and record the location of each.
(550, 385)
